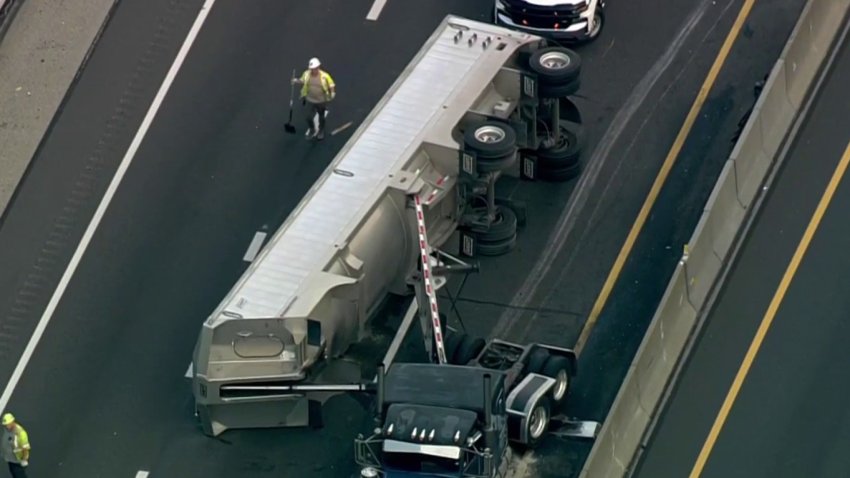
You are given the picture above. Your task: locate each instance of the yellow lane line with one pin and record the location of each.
(672, 155)
(720, 420)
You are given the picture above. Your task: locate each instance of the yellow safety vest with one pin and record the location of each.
(327, 82)
(20, 443)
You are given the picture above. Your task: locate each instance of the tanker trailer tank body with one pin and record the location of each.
(353, 237)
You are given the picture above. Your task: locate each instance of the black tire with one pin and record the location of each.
(490, 140)
(558, 367)
(566, 152)
(492, 249)
(452, 343)
(562, 174)
(469, 349)
(502, 228)
(599, 18)
(487, 165)
(535, 430)
(555, 66)
(537, 360)
(559, 91)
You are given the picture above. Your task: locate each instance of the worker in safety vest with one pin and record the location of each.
(317, 90)
(15, 446)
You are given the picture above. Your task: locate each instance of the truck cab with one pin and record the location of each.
(574, 21)
(437, 421)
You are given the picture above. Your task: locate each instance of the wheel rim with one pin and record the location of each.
(596, 25)
(490, 134)
(565, 138)
(562, 381)
(539, 419)
(555, 60)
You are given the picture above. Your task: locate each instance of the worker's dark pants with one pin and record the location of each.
(311, 110)
(17, 470)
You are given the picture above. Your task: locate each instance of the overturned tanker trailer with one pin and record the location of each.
(446, 131)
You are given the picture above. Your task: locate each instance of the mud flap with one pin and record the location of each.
(528, 167)
(569, 428)
(467, 244)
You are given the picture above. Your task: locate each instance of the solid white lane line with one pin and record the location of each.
(104, 203)
(254, 247)
(188, 373)
(375, 11)
(142, 474)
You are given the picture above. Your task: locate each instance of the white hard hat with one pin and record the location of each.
(314, 63)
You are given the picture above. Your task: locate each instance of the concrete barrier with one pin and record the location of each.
(634, 411)
(625, 425)
(700, 263)
(724, 227)
(810, 43)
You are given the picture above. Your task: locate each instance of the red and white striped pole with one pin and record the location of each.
(425, 254)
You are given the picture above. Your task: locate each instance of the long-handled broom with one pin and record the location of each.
(289, 127)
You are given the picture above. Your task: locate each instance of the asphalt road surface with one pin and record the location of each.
(104, 393)
(790, 418)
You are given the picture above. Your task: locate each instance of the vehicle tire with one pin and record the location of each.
(598, 24)
(555, 66)
(503, 227)
(469, 349)
(559, 91)
(492, 249)
(452, 343)
(537, 360)
(562, 174)
(491, 141)
(538, 422)
(558, 367)
(487, 165)
(566, 152)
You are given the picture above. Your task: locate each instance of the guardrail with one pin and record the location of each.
(642, 393)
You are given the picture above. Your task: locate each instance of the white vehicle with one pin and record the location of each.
(560, 20)
(453, 123)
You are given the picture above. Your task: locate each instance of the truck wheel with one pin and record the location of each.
(566, 151)
(494, 144)
(559, 91)
(492, 249)
(537, 360)
(468, 350)
(555, 66)
(559, 174)
(486, 165)
(503, 227)
(558, 367)
(538, 422)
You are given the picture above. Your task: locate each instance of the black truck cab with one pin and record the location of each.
(459, 420)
